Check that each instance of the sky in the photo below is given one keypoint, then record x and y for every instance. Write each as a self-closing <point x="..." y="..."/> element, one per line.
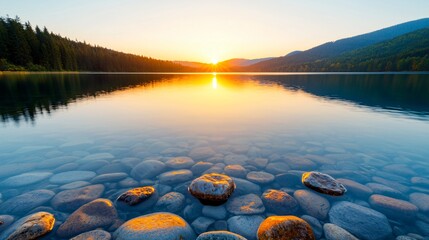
<point x="202" y="30"/>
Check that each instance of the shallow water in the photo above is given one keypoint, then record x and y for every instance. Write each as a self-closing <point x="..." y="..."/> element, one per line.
<point x="367" y="128"/>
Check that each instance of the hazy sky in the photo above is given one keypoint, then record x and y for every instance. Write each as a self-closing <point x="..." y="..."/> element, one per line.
<point x="201" y="30"/>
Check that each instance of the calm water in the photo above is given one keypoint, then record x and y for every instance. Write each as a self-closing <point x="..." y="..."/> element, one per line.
<point x="366" y="128"/>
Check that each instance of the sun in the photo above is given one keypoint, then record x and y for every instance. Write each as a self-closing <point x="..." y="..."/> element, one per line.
<point x="214" y="61"/>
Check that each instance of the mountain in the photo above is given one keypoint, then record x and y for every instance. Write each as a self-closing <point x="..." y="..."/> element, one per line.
<point x="241" y="62"/>
<point x="22" y="48"/>
<point x="408" y="52"/>
<point x="336" y="48"/>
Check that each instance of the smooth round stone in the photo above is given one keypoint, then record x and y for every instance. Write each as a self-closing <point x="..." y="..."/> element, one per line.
<point x="277" y="168"/>
<point x="74" y="185"/>
<point x="393" y="208"/>
<point x="170" y="202"/>
<point x="421" y="200"/>
<point x="420" y="181"/>
<point x="289" y="179"/>
<point x="236" y="159"/>
<point x="355" y="188"/>
<point x="216" y="212"/>
<point x="212" y="189"/>
<point x="201" y="153"/>
<point x="98" y="156"/>
<point x="192" y="211"/>
<point x="70" y="200"/>
<point x="6" y="221"/>
<point x="201" y="224"/>
<point x="333" y="232"/>
<point x="314" y="224"/>
<point x="220" y="235"/>
<point x="30" y="227"/>
<point x="201" y="167"/>
<point x="279" y="202"/>
<point x="180" y="162"/>
<point x="95" y="214"/>
<point x="26" y="202"/>
<point x="235" y="171"/>
<point x="312" y="204"/>
<point x="385" y="190"/>
<point x="245" y="205"/>
<point x="392" y="184"/>
<point x="246" y="226"/>
<point x="284" y="228"/>
<point x="128" y="182"/>
<point x="323" y="183"/>
<point x="147" y="169"/>
<point x="71" y="176"/>
<point x="260" y="177"/>
<point x="160" y="226"/>
<point x="174" y="177"/>
<point x="137" y="196"/>
<point x="25" y="179"/>
<point x="362" y="222"/>
<point x="93" y="165"/>
<point x="93" y="235"/>
<point x="245" y="187"/>
<point x="300" y="163"/>
<point x="109" y="177"/>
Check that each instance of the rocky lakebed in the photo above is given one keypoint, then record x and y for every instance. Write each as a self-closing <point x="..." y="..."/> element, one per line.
<point x="211" y="189"/>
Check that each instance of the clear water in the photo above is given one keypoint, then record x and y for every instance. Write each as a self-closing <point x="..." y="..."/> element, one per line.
<point x="368" y="127"/>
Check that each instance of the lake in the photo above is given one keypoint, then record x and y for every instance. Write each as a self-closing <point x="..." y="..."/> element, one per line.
<point x="62" y="132"/>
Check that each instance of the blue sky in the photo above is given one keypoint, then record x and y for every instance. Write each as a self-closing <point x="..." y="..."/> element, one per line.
<point x="201" y="30"/>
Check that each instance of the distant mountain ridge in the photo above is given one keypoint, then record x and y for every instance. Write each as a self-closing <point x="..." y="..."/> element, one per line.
<point x="336" y="48"/>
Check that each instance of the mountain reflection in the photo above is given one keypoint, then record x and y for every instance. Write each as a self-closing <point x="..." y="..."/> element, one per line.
<point x="23" y="96"/>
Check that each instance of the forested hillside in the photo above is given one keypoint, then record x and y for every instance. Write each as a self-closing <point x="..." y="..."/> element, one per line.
<point x="25" y="48"/>
<point x="409" y="52"/>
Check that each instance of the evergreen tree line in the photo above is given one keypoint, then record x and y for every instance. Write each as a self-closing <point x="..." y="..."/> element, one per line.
<point x="24" y="48"/>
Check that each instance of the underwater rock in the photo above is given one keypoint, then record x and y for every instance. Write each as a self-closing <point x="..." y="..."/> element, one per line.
<point x="160" y="226"/>
<point x="393" y="208"/>
<point x="362" y="222"/>
<point x="323" y="183"/>
<point x="30" y="227"/>
<point x="355" y="188"/>
<point x="260" y="177"/>
<point x="201" y="224"/>
<point x="26" y="202"/>
<point x="421" y="200"/>
<point x="25" y="179"/>
<point x="246" y="226"/>
<point x="333" y="232"/>
<point x="245" y="205"/>
<point x="70" y="200"/>
<point x="176" y="176"/>
<point x="147" y="169"/>
<point x="180" y="163"/>
<point x="71" y="176"/>
<point x="170" y="202"/>
<point x="220" y="235"/>
<point x="109" y="177"/>
<point x="284" y="228"/>
<point x="235" y="171"/>
<point x="201" y="153"/>
<point x="93" y="235"/>
<point x="136" y="196"/>
<point x="216" y="212"/>
<point x="95" y="214"/>
<point x="312" y="204"/>
<point x="279" y="202"/>
<point x="212" y="189"/>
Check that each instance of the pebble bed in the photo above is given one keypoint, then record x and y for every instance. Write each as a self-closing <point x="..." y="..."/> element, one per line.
<point x="71" y="190"/>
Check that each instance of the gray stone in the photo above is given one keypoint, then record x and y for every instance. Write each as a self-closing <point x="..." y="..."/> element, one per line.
<point x="147" y="169"/>
<point x="26" y="202"/>
<point x="220" y="235"/>
<point x="180" y="163"/>
<point x="201" y="167"/>
<point x="333" y="232"/>
<point x="25" y="179"/>
<point x="393" y="208"/>
<point x="355" y="188"/>
<point x="245" y="205"/>
<point x="245" y="187"/>
<point x="312" y="204"/>
<point x="233" y="159"/>
<point x="70" y="200"/>
<point x="246" y="226"/>
<point x="93" y="235"/>
<point x="212" y="189"/>
<point x="109" y="177"/>
<point x="6" y="221"/>
<point x="201" y="224"/>
<point x="235" y="171"/>
<point x="277" y="168"/>
<point x="260" y="177"/>
<point x="174" y="177"/>
<point x="279" y="202"/>
<point x="421" y="200"/>
<point x="216" y="212"/>
<point x="71" y="176"/>
<point x="74" y="185"/>
<point x="95" y="214"/>
<point x="170" y="202"/>
<point x="30" y="227"/>
<point x="137" y="199"/>
<point x="160" y="226"/>
<point x="323" y="183"/>
<point x="201" y="153"/>
<point x="385" y="190"/>
<point x="97" y="156"/>
<point x="315" y="225"/>
<point x="362" y="222"/>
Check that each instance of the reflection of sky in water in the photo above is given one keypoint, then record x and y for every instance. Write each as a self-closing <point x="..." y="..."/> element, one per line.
<point x="341" y="125"/>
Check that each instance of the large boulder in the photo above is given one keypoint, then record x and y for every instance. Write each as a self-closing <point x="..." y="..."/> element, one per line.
<point x="212" y="188"/>
<point x="284" y="228"/>
<point x="160" y="226"/>
<point x="362" y="222"/>
<point x="95" y="214"/>
<point x="30" y="227"/>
